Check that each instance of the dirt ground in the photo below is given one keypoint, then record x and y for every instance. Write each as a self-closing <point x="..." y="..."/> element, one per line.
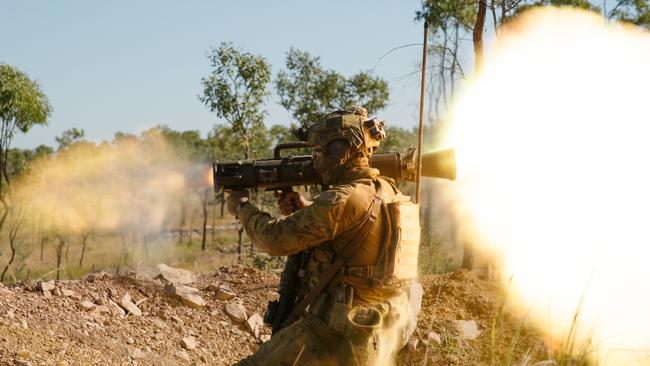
<point x="80" y="323"/>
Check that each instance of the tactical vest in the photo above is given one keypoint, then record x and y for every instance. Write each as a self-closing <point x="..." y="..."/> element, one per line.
<point x="398" y="259"/>
<point x="396" y="264"/>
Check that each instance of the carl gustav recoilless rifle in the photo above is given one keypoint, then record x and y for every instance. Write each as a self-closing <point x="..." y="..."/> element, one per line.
<point x="280" y="172"/>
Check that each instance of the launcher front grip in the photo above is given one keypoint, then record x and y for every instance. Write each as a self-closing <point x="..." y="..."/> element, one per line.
<point x="277" y="173"/>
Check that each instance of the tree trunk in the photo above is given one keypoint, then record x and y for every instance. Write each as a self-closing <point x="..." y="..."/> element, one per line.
<point x="59" y="256"/>
<point x="443" y="64"/>
<point x="42" y="239"/>
<point x="122" y="256"/>
<point x="67" y="253"/>
<point x="12" y="246"/>
<point x="204" y="202"/>
<point x="84" y="241"/>
<point x="214" y="224"/>
<point x="477" y="35"/>
<point x="468" y="255"/>
<point x="182" y="224"/>
<point x="240" y="242"/>
<point x="191" y="229"/>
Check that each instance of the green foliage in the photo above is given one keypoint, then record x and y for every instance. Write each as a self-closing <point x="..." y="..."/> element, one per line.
<point x="123" y="137"/>
<point x="236" y="90"/>
<point x="633" y="11"/>
<point x="309" y="92"/>
<point x="187" y="144"/>
<point x="18" y="160"/>
<point x="69" y="137"/>
<point x="22" y="103"/>
<point x="224" y="145"/>
<point x="282" y="134"/>
<point x="398" y="139"/>
<point x="265" y="262"/>
<point x="442" y="14"/>
<point x="581" y="4"/>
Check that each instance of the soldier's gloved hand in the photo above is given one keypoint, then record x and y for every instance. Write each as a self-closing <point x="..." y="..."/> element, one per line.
<point x="235" y="199"/>
<point x="290" y="202"/>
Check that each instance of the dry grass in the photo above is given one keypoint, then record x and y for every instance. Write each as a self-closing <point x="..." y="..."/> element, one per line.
<point x="109" y="251"/>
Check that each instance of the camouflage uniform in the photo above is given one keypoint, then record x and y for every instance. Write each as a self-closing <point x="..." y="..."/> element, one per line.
<point x="355" y="321"/>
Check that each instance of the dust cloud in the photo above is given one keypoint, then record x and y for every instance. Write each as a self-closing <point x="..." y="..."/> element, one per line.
<point x="552" y="143"/>
<point x="131" y="184"/>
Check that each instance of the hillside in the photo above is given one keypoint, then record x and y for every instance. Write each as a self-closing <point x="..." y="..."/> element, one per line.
<point x="84" y="322"/>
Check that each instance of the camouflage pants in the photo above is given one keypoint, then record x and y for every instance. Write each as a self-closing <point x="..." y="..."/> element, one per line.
<point x="357" y="336"/>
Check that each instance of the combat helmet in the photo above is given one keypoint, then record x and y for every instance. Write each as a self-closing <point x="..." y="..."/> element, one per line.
<point x="362" y="135"/>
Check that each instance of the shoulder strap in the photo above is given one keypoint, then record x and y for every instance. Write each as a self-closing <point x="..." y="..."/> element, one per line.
<point x="367" y="224"/>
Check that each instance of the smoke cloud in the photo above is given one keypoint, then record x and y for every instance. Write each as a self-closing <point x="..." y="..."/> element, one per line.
<point x="552" y="142"/>
<point x="129" y="184"/>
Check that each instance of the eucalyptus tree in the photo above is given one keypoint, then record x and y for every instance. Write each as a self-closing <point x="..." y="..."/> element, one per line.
<point x="236" y="90"/>
<point x="309" y="91"/>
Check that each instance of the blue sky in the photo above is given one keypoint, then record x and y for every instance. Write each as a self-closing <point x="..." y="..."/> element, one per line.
<point x="111" y="66"/>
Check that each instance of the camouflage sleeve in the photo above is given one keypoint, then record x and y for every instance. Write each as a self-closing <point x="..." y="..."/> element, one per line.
<point x="328" y="216"/>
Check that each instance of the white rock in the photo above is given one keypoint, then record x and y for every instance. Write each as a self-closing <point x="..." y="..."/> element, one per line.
<point x="265" y="338"/>
<point x="129" y="306"/>
<point x="183" y="356"/>
<point x="434" y="337"/>
<point x="176" y="275"/>
<point x="130" y="340"/>
<point x="255" y="324"/>
<point x="190" y="296"/>
<point x="138" y="354"/>
<point x="236" y="311"/>
<point x="188" y="343"/>
<point x="412" y="344"/>
<point x="45" y="286"/>
<point x="467" y="329"/>
<point x="224" y="293"/>
<point x="86" y="305"/>
<point x="116" y="309"/>
<point x="67" y="293"/>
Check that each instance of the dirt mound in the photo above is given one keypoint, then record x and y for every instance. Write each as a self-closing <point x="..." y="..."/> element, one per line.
<point x="84" y="322"/>
<point x="464" y="321"/>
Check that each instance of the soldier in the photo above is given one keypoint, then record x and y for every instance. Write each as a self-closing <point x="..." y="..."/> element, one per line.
<point x="358" y="298"/>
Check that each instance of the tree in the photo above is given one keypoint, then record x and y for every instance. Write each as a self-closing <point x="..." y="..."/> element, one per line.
<point x="449" y="22"/>
<point x="309" y="92"/>
<point x="236" y="91"/>
<point x="22" y="105"/>
<point x="223" y="144"/>
<point x="188" y="145"/>
<point x="69" y="137"/>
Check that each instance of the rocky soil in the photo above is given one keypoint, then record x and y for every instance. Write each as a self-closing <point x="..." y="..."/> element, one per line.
<point x="173" y="317"/>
